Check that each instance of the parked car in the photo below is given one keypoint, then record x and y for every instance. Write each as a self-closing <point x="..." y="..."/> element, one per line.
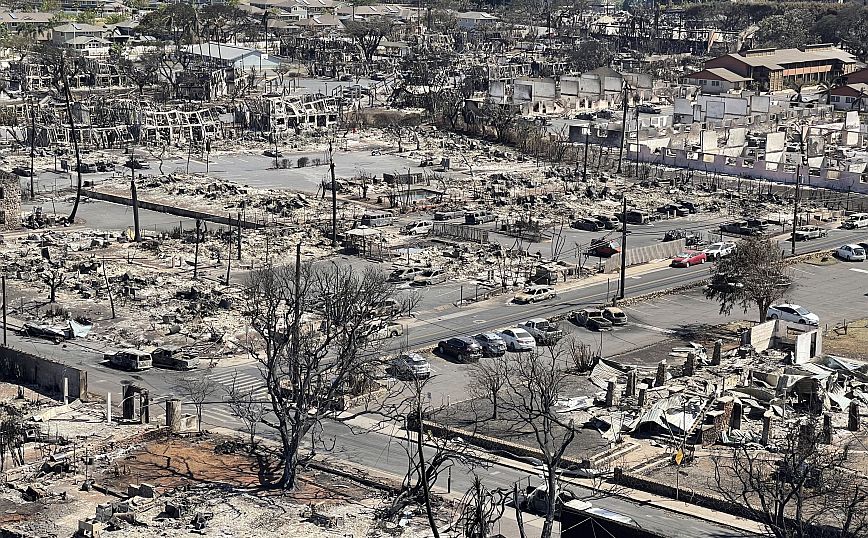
<point x="137" y="164"/>
<point x="173" y="358"/>
<point x="462" y="348"/>
<point x="409" y="365"/>
<point x="740" y="227"/>
<point x="715" y="251"/>
<point x="543" y="331"/>
<point x="688" y="258"/>
<point x="615" y="315"/>
<point x="648" y="108"/>
<point x="592" y="319"/>
<point x="604" y="248"/>
<point x="793" y="313"/>
<point x="517" y="339"/>
<point x="386" y="308"/>
<point x="690" y="238"/>
<point x="851" y="253"/>
<point x="805" y="233"/>
<point x="491" y="343"/>
<point x="534" y="294"/>
<point x="856" y="220"/>
<point x="479" y="217"/>
<point x="689" y="205"/>
<point x="272" y="153"/>
<point x="609" y="222"/>
<point x="587" y="224"/>
<point x="429" y="277"/>
<point x="421" y="227"/>
<point x="382" y="329"/>
<point x="408" y="273"/>
<point x="448" y="215"/>
<point x="375" y="220"/>
<point x="675" y="209"/>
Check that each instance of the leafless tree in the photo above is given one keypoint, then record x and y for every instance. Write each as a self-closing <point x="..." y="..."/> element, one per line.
<point x="755" y="274"/>
<point x="535" y="383"/>
<point x="429" y="457"/>
<point x="805" y="489"/>
<point x="197" y="388"/>
<point x="246" y="406"/>
<point x="54" y="276"/>
<point x="311" y="368"/>
<point x="481" y="508"/>
<point x="487" y="381"/>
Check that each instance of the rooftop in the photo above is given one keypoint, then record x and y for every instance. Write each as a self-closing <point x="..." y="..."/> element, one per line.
<point x="777" y="58"/>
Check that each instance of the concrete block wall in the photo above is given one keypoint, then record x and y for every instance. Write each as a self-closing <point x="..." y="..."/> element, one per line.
<point x="22" y="367"/>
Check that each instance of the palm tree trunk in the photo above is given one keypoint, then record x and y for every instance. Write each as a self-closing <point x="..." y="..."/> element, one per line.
<point x="68" y="96"/>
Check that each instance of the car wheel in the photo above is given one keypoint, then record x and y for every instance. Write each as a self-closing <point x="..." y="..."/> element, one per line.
<point x="802" y="322"/>
<point x="511" y="347"/>
<point x="394" y="334"/>
<point x="440" y="350"/>
<point x="773" y="316"/>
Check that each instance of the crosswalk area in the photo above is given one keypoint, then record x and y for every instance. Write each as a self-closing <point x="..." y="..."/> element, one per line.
<point x="220" y="414"/>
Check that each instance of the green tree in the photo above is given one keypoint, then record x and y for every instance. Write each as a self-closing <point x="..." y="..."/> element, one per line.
<point x="754" y="275"/>
<point x="86" y="17"/>
<point x="791" y="29"/>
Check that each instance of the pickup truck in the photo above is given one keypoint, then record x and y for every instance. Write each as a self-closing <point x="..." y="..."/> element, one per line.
<point x="741" y="227"/>
<point x="543" y="331"/>
<point x="173" y="358"/>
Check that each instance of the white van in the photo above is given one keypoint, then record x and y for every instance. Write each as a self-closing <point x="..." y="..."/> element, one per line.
<point x="856" y="220"/>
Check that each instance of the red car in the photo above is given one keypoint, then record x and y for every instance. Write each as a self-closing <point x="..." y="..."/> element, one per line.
<point x="688" y="258"/>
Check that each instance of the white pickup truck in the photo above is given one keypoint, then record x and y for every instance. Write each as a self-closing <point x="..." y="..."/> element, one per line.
<point x="543" y="331"/>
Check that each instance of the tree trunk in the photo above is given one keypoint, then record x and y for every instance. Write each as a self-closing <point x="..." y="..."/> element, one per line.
<point x="68" y="95"/>
<point x="423" y="474"/>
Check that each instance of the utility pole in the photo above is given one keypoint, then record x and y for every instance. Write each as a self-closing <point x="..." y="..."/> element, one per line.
<point x="137" y="231"/>
<point x="296" y="300"/>
<point x="796" y="194"/>
<point x="238" y="222"/>
<point x="196" y="252"/>
<point x="623" y="247"/>
<point x="32" y="149"/>
<point x="229" y="251"/>
<point x="585" y="162"/>
<point x="4" y="310"/>
<point x="623" y="127"/>
<point x="334" y="198"/>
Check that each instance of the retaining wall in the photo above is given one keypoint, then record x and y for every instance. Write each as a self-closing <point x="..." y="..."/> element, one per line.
<point x="172" y="210"/>
<point x="21" y="367"/>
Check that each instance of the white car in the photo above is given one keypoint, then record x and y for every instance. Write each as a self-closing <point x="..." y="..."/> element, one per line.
<point x="793" y="313"/>
<point x="851" y="253"/>
<point x="716" y="251"/>
<point x="533" y="294"/>
<point x="421" y="227"/>
<point x="410" y="365"/>
<point x="517" y="339"/>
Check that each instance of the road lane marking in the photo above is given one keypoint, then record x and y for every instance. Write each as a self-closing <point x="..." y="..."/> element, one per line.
<point x="859" y="270"/>
<point x="653" y="328"/>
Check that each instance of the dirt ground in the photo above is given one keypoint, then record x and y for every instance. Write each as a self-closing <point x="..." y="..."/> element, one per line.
<point x="851" y="342"/>
<point x="214" y="481"/>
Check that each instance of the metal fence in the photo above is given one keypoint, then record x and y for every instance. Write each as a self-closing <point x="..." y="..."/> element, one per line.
<point x="458" y="231"/>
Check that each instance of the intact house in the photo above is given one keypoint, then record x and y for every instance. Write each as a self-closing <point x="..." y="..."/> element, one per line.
<point x="850" y="97"/>
<point x="225" y="55"/>
<point x="20" y="21"/>
<point x="63" y="34"/>
<point x="775" y="69"/>
<point x="715" y="80"/>
<point x="470" y="20"/>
